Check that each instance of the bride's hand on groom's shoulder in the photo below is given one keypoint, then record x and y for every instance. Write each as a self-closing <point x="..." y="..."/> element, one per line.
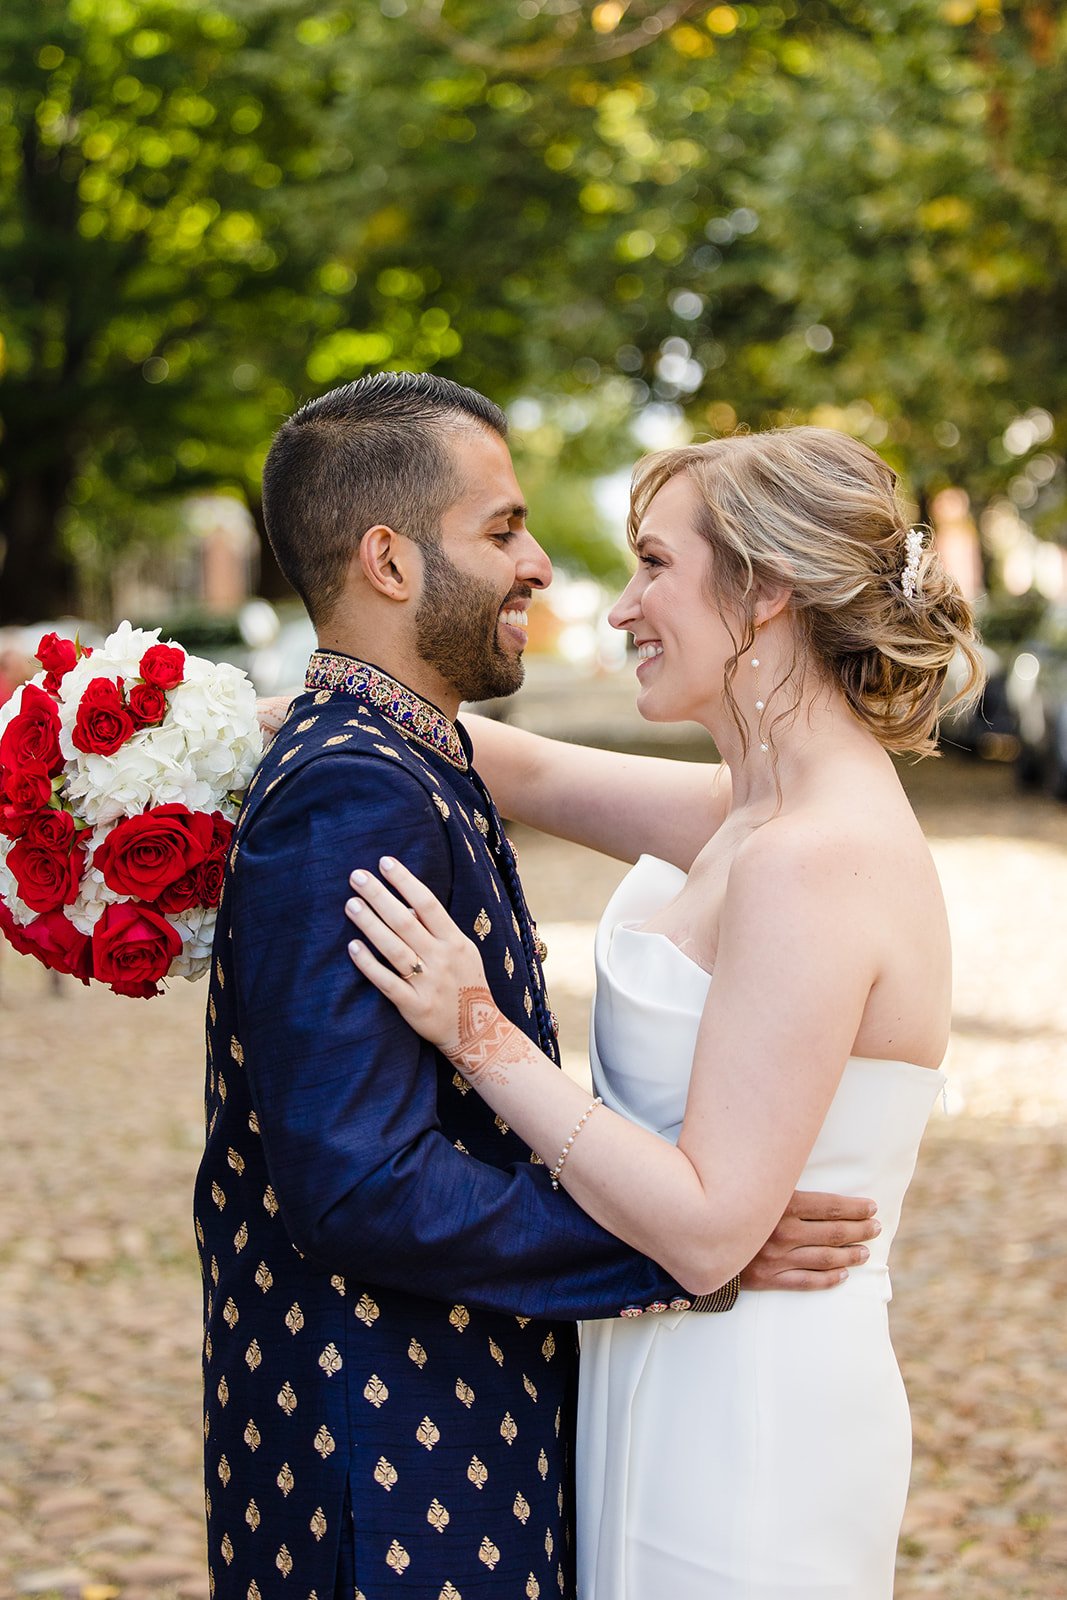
<point x="271" y="713"/>
<point x="414" y="953"/>
<point x="819" y="1237"/>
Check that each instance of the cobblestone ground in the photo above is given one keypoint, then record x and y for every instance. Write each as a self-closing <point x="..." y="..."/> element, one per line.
<point x="99" y="1289"/>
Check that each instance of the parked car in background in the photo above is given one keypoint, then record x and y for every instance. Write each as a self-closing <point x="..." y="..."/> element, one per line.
<point x="1036" y="692"/>
<point x="987" y="727"/>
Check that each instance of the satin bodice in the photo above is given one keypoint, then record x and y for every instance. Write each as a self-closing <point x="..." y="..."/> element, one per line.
<point x="649" y="1002"/>
<point x="762" y="1454"/>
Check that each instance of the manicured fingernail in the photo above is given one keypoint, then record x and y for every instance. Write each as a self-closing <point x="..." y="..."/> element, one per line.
<point x="354" y="948"/>
<point x="354" y="907"/>
<point x="864" y="1252"/>
<point x="842" y="1278"/>
<point x="877" y="1226"/>
<point x="387" y="863"/>
<point x="358" y="879"/>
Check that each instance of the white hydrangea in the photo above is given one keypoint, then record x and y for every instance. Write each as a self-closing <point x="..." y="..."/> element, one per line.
<point x="94" y="896"/>
<point x="216" y="708"/>
<point x="197" y="928"/>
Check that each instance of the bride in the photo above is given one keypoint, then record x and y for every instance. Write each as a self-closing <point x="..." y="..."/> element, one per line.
<point x="772" y="1007"/>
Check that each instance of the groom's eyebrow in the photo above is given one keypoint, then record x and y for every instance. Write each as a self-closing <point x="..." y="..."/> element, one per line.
<point x="509" y="513"/>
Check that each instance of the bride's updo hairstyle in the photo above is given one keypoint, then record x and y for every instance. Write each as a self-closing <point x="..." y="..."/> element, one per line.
<point x="816" y="512"/>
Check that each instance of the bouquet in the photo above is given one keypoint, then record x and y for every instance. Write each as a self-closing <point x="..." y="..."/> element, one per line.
<point x="121" y="772"/>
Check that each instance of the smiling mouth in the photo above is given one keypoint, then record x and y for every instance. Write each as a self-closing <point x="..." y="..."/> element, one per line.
<point x="517" y="620"/>
<point x="649" y="650"/>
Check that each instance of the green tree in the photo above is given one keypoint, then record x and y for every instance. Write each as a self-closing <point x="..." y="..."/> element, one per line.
<point x="147" y="155"/>
<point x="764" y="213"/>
<point x="847" y="211"/>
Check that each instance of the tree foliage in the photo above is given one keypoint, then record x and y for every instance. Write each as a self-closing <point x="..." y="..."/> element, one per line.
<point x="852" y="212"/>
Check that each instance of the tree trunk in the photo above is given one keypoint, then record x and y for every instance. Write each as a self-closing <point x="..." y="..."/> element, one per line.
<point x="37" y="580"/>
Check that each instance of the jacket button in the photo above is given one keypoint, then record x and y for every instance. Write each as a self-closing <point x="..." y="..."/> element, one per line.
<point x="681" y="1305"/>
<point x="632" y="1311"/>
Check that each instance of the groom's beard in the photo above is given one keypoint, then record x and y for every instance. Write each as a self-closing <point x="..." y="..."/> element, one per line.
<point x="456" y="630"/>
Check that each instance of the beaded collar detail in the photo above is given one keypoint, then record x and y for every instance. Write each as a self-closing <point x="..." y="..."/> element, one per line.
<point x="411" y="715"/>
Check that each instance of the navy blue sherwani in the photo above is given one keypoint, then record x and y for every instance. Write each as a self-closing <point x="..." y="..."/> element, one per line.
<point x="390" y="1282"/>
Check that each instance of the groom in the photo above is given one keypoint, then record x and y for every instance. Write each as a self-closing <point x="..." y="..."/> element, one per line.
<point x="391" y="1283"/>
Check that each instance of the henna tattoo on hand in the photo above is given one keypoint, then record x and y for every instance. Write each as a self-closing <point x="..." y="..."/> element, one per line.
<point x="485" y="1037"/>
<point x="270" y="714"/>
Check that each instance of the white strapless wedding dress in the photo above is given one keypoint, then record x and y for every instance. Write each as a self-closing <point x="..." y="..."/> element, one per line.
<point x="764" y="1453"/>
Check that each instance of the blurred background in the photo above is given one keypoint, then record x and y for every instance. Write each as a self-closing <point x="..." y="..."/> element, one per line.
<point x="631" y="223"/>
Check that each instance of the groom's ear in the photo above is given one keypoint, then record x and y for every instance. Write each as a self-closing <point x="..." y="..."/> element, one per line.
<point x="389" y="562"/>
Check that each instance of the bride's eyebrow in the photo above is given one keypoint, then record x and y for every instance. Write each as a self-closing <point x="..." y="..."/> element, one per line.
<point x="644" y="540"/>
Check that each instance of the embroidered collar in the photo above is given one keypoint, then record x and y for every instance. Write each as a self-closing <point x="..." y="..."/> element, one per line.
<point x="411" y="715"/>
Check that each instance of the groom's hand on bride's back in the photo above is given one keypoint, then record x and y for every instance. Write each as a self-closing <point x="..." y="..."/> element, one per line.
<point x="817" y="1240"/>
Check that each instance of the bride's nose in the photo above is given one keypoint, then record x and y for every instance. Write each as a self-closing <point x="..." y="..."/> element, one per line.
<point x="628" y="606"/>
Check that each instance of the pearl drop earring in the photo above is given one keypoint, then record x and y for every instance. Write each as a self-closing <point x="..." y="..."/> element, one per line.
<point x="759" y="706"/>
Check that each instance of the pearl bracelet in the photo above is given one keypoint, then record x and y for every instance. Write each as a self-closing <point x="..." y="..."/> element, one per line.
<point x="565" y="1152"/>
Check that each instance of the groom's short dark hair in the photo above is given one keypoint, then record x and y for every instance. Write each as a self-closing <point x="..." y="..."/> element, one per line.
<point x="373" y="451"/>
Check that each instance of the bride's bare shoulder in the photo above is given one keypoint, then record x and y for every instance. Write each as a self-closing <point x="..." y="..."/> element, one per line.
<point x="813" y="848"/>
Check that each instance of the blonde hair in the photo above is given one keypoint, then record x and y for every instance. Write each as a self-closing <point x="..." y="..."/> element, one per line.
<point x="816" y="512"/>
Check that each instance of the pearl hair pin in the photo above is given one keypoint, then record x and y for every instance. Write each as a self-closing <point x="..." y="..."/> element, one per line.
<point x="909" y="577"/>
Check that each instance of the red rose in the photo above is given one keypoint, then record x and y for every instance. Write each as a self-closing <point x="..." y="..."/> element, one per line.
<point x="181" y="894"/>
<point x="56" y="656"/>
<point x="209" y="881"/>
<point x="14" y="931"/>
<point x="210" y="876"/>
<point x="48" y="862"/>
<point x="221" y="836"/>
<point x="32" y="735"/>
<point x="133" y="947"/>
<point x="54" y="830"/>
<point x="148" y="705"/>
<point x="22" y="795"/>
<point x="163" y="665"/>
<point x="143" y="855"/>
<point x="53" y="940"/>
<point x="202" y="887"/>
<point x="103" y="723"/>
